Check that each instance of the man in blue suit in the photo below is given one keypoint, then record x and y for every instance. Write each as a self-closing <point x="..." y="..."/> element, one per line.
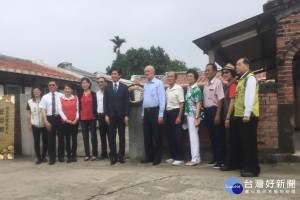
<point x="116" y="111"/>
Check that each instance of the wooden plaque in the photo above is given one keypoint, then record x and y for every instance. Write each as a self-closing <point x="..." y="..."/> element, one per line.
<point x="7" y="126"/>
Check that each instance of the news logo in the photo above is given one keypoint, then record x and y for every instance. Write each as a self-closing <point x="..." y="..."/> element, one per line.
<point x="233" y="186"/>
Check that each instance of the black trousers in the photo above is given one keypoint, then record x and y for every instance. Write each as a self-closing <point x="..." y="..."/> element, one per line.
<point x="217" y="135"/>
<point x="248" y="135"/>
<point x="235" y="150"/>
<point x="103" y="129"/>
<point x="37" y="138"/>
<point x="55" y="130"/>
<point x="70" y="131"/>
<point x="116" y="122"/>
<point x="174" y="133"/>
<point x="86" y="125"/>
<point x="152" y="129"/>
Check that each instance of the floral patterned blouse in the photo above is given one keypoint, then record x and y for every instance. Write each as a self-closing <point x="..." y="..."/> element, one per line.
<point x="192" y="96"/>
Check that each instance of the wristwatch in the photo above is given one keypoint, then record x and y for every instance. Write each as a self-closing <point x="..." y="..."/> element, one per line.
<point x="197" y="117"/>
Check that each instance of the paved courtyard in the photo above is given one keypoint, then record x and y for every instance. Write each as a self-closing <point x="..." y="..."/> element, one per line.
<point x="22" y="179"/>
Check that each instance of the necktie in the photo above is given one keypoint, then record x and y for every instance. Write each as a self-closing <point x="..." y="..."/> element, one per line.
<point x="115" y="89"/>
<point x="53" y="103"/>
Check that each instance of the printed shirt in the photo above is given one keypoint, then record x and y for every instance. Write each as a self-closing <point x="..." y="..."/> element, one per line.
<point x="192" y="96"/>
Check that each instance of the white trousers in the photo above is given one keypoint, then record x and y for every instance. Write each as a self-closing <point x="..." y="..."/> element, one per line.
<point x="194" y="139"/>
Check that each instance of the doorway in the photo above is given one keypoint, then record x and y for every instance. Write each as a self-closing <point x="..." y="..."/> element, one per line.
<point x="296" y="78"/>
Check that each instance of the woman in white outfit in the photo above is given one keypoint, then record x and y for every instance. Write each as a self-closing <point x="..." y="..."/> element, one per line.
<point x="193" y="100"/>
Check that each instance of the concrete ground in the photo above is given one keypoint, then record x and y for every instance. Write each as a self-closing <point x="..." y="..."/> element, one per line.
<point x="22" y="179"/>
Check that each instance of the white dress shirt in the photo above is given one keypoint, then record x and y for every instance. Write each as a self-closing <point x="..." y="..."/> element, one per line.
<point x="46" y="102"/>
<point x="249" y="95"/>
<point x="99" y="102"/>
<point x="117" y="84"/>
<point x="174" y="96"/>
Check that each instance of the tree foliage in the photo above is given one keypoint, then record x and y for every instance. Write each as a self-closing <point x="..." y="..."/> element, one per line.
<point x="118" y="43"/>
<point x="135" y="60"/>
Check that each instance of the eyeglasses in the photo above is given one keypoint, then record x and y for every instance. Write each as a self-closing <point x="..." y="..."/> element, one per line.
<point x="100" y="81"/>
<point x="225" y="72"/>
<point x="51" y="85"/>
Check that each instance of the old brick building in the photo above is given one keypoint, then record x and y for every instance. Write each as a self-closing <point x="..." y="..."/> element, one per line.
<point x="271" y="41"/>
<point x="17" y="76"/>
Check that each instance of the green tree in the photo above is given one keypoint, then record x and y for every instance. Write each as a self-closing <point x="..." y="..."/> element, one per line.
<point x="135" y="60"/>
<point x="118" y="43"/>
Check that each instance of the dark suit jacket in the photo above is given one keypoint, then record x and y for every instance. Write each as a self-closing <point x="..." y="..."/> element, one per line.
<point x="94" y="97"/>
<point x="118" y="103"/>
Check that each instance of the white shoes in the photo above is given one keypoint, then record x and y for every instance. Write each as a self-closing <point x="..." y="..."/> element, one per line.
<point x="177" y="162"/>
<point x="192" y="163"/>
<point x="170" y="160"/>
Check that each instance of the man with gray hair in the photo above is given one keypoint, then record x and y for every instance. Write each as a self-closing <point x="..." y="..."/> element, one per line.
<point x="152" y="116"/>
<point x="174" y="112"/>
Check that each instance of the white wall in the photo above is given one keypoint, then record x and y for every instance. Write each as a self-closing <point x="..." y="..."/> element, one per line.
<point x="1" y="90"/>
<point x="28" y="90"/>
<point x="27" y="138"/>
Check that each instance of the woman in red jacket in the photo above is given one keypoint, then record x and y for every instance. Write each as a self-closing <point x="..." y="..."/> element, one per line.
<point x="88" y="112"/>
<point x="68" y="110"/>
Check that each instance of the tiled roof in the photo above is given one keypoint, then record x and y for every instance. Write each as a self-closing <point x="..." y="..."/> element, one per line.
<point x="108" y="77"/>
<point x="27" y="67"/>
<point x="140" y="79"/>
<point x="181" y="78"/>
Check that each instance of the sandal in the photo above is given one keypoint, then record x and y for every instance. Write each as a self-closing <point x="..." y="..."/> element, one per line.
<point x="86" y="158"/>
<point x="94" y="158"/>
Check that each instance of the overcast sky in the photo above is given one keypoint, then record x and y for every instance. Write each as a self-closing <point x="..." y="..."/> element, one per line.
<point x="78" y="31"/>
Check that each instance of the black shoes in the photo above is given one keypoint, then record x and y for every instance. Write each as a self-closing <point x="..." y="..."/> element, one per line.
<point x="226" y="168"/>
<point x="211" y="163"/>
<point x="44" y="159"/>
<point x="69" y="160"/>
<point x="156" y="162"/>
<point x="61" y="159"/>
<point x="245" y="173"/>
<point x="39" y="161"/>
<point x="51" y="162"/>
<point x="218" y="165"/>
<point x="147" y="160"/>
<point x="113" y="161"/>
<point x="74" y="159"/>
<point x="102" y="156"/>
<point x="121" y="159"/>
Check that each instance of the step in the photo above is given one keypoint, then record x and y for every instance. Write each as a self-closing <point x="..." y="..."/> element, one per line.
<point x="287" y="157"/>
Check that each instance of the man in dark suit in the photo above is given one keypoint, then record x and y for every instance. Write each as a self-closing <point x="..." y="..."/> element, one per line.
<point x="116" y="111"/>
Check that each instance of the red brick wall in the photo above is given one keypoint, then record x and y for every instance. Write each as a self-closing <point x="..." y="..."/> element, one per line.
<point x="267" y="133"/>
<point x="288" y="43"/>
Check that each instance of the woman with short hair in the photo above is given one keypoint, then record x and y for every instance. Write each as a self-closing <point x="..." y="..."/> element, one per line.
<point x="36" y="123"/>
<point x="192" y="108"/>
<point x="68" y="110"/>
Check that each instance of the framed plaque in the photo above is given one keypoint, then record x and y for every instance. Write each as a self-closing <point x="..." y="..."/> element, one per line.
<point x="7" y="126"/>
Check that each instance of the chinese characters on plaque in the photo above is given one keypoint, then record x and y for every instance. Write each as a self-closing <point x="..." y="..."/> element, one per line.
<point x="7" y="128"/>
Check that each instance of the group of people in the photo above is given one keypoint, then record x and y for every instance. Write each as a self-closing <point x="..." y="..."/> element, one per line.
<point x="232" y="106"/>
<point x="57" y="114"/>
